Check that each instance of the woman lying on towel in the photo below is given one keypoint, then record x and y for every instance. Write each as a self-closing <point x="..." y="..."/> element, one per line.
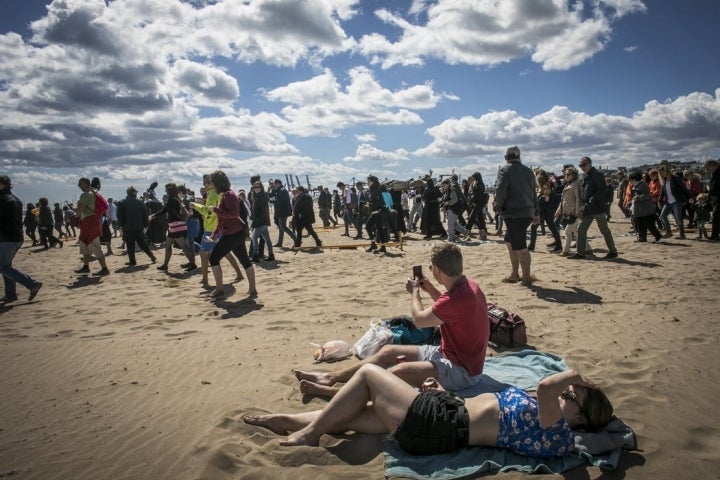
<point x="435" y="421"/>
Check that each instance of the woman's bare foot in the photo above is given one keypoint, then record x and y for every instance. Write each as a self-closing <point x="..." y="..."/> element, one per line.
<point x="218" y="292"/>
<point x="276" y="423"/>
<point x="252" y="293"/>
<point x="311" y="388"/>
<point x="318" y="378"/>
<point x="239" y="277"/>
<point x="300" y="438"/>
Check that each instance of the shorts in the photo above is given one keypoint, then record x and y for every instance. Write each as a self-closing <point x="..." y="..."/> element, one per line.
<point x="516" y="232"/>
<point x="436" y="422"/>
<point x="455" y="377"/>
<point x="206" y="245"/>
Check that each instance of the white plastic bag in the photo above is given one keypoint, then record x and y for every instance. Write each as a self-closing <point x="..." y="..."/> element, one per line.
<point x="377" y="336"/>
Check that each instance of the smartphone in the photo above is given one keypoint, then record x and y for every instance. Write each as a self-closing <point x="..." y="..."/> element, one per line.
<point x="417" y="272"/>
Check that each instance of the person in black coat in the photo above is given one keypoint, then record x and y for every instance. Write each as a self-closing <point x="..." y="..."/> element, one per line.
<point x="592" y="208"/>
<point x="11" y="239"/>
<point x="132" y="217"/>
<point x="304" y="216"/>
<point x="714" y="192"/>
<point x="430" y="223"/>
<point x="47" y="223"/>
<point x="280" y="198"/>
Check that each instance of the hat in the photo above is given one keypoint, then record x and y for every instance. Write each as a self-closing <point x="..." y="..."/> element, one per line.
<point x="512" y="153"/>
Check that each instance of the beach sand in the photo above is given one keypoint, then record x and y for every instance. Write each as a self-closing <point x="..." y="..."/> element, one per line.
<point x="137" y="375"/>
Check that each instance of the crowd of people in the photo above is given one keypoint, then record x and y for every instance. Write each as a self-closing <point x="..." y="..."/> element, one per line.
<point x="525" y="203"/>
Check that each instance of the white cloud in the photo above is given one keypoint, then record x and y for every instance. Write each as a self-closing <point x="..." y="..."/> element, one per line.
<point x="683" y="128"/>
<point x="320" y="106"/>
<point x="366" y="137"/>
<point x="557" y="34"/>
<point x="366" y="152"/>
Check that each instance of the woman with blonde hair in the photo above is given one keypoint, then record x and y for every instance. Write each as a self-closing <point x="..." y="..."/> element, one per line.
<point x="673" y="196"/>
<point x="568" y="211"/>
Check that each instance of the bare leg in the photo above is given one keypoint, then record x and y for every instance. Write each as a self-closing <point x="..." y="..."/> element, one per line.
<point x="284" y="423"/>
<point x="218" y="275"/>
<point x="514" y="264"/>
<point x="250" y="273"/>
<point x="204" y="264"/>
<point x="390" y="396"/>
<point x="524" y="261"/>
<point x="311" y="388"/>
<point x="412" y="371"/>
<point x="234" y="263"/>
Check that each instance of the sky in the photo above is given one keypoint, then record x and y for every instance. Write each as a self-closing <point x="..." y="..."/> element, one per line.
<point x="136" y="91"/>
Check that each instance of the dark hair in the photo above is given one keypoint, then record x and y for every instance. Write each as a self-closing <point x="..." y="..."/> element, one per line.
<point x="597" y="409"/>
<point x="44" y="201"/>
<point x="5" y="180"/>
<point x="95" y="183"/>
<point x="448" y="258"/>
<point x="220" y="181"/>
<point x="635" y="176"/>
<point x="182" y="189"/>
<point x="171" y="189"/>
<point x="254" y="178"/>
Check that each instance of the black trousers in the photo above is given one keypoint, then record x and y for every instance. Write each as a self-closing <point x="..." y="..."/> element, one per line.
<point x="132" y="236"/>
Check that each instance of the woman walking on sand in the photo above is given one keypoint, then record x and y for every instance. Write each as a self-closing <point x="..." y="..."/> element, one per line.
<point x="233" y="230"/>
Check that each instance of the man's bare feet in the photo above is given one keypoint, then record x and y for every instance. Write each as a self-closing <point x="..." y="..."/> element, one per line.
<point x="300" y="438"/>
<point x="276" y="423"/>
<point x="311" y="388"/>
<point x="218" y="292"/>
<point x="319" y="378"/>
<point x="239" y="277"/>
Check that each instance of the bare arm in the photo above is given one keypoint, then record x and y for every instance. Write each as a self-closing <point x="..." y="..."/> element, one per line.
<point x="422" y="317"/>
<point x="548" y="391"/>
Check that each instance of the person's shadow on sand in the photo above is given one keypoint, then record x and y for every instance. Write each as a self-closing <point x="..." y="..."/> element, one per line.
<point x="84" y="281"/>
<point x="238" y="308"/>
<point x="572" y="296"/>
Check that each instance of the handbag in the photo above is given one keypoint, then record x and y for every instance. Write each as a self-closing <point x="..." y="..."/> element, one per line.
<point x="175" y="227"/>
<point x="506" y="329"/>
<point x="569" y="219"/>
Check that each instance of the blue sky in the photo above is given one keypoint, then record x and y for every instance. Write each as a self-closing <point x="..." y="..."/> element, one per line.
<point x="136" y="91"/>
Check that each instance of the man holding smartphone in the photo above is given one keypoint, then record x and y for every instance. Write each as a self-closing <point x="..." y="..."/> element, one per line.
<point x="462" y="315"/>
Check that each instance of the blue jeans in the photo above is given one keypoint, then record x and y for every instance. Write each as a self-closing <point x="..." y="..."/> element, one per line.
<point x="261" y="231"/>
<point x="11" y="275"/>
<point x="676" y="209"/>
<point x="281" y="223"/>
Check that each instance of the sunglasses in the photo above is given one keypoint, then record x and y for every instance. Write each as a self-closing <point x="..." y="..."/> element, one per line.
<point x="572" y="396"/>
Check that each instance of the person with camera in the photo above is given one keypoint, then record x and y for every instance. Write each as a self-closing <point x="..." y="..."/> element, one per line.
<point x="460" y="312"/>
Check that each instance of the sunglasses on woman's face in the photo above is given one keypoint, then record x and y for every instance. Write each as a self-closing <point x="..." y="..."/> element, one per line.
<point x="572" y="396"/>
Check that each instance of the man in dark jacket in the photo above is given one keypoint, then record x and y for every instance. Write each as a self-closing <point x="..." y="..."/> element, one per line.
<point x="592" y="207"/>
<point x="516" y="200"/>
<point x="132" y="217"/>
<point x="11" y="239"/>
<point x="714" y="192"/>
<point x="280" y="198"/>
<point x="304" y="216"/>
<point x="325" y="206"/>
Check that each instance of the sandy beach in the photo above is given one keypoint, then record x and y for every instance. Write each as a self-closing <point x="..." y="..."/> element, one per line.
<point x="137" y="375"/>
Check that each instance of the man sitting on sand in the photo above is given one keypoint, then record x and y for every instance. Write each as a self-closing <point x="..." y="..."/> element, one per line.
<point x="461" y="312"/>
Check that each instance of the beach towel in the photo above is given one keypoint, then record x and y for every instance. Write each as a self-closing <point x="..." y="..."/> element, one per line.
<point x="523" y="369"/>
